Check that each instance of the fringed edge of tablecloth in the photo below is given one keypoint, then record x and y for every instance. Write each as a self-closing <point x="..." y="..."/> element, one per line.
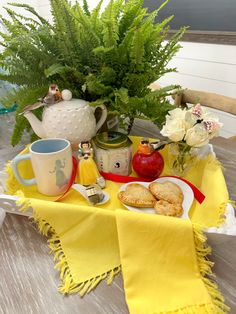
<point x="12" y="185"/>
<point x="68" y="285"/>
<point x="208" y="308"/>
<point x="217" y="306"/>
<point x="205" y="269"/>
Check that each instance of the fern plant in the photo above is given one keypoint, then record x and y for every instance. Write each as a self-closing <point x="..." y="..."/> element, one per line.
<point x="109" y="57"/>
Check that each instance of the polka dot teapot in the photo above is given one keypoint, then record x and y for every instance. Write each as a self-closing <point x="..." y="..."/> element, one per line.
<point x="71" y="119"/>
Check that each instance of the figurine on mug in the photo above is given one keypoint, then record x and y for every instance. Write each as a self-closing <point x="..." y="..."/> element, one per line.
<point x="88" y="171"/>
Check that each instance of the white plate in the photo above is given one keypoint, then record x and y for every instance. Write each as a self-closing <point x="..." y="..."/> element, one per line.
<point x="187" y="192"/>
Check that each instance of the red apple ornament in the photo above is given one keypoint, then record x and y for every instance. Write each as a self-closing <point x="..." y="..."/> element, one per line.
<point x="147" y="162"/>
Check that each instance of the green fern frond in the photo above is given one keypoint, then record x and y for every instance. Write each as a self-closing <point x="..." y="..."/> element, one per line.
<point x="109" y="57"/>
<point x="95" y="87"/>
<point x="86" y="24"/>
<point x="24" y="18"/>
<point x="15" y="20"/>
<point x="110" y="30"/>
<point x="163" y="92"/>
<point x="95" y="15"/>
<point x="162" y="6"/>
<point x="5" y="36"/>
<point x="123" y="95"/>
<point x="85" y="7"/>
<point x="107" y="76"/>
<point x="31" y="10"/>
<point x="66" y="29"/>
<point x="137" y="50"/>
<point x="133" y="11"/>
<point x="56" y="68"/>
<point x="9" y="26"/>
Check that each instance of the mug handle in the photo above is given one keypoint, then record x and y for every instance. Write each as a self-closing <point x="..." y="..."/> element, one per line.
<point x="103" y="116"/>
<point x="15" y="162"/>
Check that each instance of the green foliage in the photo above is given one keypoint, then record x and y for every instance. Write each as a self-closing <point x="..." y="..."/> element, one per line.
<point x="109" y="57"/>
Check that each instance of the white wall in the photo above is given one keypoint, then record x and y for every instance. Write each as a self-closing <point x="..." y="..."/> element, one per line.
<point x="207" y="67"/>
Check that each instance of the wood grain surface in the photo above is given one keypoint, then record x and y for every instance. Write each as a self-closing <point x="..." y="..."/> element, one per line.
<point x="29" y="282"/>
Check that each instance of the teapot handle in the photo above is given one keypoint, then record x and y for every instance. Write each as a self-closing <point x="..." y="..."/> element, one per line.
<point x="103" y="116"/>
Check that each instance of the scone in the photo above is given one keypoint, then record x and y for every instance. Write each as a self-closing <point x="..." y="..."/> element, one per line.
<point x="137" y="195"/>
<point x="167" y="191"/>
<point x="168" y="209"/>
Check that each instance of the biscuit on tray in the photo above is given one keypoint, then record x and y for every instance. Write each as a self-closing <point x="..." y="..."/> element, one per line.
<point x="168" y="209"/>
<point x="167" y="191"/>
<point x="137" y="195"/>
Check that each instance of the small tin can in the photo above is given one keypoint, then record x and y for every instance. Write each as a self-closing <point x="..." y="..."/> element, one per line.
<point x="113" y="152"/>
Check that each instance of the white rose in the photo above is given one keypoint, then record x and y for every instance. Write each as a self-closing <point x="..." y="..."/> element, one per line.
<point x="190" y="120"/>
<point x="174" y="129"/>
<point x="197" y="136"/>
<point x="176" y="113"/>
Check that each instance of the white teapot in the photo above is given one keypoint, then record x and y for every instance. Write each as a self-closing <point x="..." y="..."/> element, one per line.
<point x="73" y="120"/>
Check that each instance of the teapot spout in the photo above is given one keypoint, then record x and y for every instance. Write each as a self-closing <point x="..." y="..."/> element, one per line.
<point x="36" y="124"/>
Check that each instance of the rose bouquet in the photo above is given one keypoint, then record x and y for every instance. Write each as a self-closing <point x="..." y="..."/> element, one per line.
<point x="188" y="130"/>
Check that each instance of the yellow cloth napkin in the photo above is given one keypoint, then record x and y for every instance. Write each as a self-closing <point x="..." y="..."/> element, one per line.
<point x="84" y="238"/>
<point x="164" y="266"/>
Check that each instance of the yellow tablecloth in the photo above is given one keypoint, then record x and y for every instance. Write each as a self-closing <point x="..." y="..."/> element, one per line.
<point x="86" y="245"/>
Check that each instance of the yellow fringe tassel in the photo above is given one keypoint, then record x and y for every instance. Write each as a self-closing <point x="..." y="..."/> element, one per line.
<point x="12" y="185"/>
<point x="221" y="211"/>
<point x="205" y="268"/>
<point x="68" y="286"/>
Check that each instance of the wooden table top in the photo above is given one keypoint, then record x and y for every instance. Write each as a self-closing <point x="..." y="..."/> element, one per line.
<point x="29" y="281"/>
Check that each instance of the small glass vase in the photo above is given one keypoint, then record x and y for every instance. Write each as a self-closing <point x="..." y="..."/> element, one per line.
<point x="181" y="158"/>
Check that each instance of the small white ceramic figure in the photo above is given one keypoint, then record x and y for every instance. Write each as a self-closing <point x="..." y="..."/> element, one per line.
<point x="66" y="94"/>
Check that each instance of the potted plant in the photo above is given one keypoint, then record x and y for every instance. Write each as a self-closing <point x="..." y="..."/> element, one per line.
<point x="105" y="58"/>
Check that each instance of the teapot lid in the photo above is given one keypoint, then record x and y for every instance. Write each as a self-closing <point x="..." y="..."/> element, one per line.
<point x="71" y="104"/>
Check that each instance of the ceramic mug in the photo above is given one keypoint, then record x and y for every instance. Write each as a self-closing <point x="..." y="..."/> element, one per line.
<point x="52" y="165"/>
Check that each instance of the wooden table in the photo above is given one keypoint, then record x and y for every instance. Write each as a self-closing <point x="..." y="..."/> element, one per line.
<point x="28" y="282"/>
